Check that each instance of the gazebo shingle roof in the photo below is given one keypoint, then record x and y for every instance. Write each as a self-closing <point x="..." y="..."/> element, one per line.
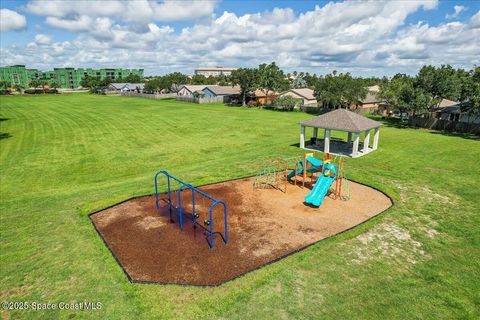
<point x="343" y="120"/>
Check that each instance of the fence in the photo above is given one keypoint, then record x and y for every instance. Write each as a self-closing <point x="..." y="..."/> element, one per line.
<point x="444" y="125"/>
<point x="149" y="95"/>
<point x="202" y="99"/>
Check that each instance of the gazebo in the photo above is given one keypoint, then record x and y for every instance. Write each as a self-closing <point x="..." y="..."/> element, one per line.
<point x="341" y="120"/>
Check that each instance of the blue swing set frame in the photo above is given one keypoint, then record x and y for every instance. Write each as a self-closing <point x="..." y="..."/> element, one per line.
<point x="187" y="186"/>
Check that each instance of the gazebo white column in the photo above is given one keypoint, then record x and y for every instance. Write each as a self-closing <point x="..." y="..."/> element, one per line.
<point x="356" y="141"/>
<point x="349" y="140"/>
<point x="302" y="136"/>
<point x="315" y="132"/>
<point x="375" y="138"/>
<point x="366" y="142"/>
<point x="326" y="141"/>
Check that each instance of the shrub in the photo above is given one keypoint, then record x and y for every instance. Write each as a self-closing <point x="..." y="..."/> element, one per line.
<point x="252" y="103"/>
<point x="34" y="91"/>
<point x="286" y="103"/>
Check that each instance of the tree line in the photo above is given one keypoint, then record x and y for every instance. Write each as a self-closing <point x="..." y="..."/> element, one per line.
<point x="424" y="91"/>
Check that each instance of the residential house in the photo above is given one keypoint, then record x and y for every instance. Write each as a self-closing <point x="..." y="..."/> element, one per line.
<point x="305" y="94"/>
<point x="225" y="92"/>
<point x="261" y="97"/>
<point x="135" y="87"/>
<point x="371" y="103"/>
<point x="456" y="112"/>
<point x="125" y="87"/>
<point x="188" y="90"/>
<point x="446" y="103"/>
<point x="118" y="86"/>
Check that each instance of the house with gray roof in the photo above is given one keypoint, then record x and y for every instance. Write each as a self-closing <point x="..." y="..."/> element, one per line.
<point x="189" y="89"/>
<point x="341" y="120"/>
<point x="220" y="91"/>
<point x="125" y="87"/>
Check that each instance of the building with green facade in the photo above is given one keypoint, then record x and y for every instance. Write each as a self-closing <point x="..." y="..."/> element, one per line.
<point x="65" y="77"/>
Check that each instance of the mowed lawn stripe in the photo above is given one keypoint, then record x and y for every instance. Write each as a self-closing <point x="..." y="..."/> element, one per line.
<point x="72" y="154"/>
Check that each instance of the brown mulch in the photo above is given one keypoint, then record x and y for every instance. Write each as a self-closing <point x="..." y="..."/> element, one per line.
<point x="264" y="225"/>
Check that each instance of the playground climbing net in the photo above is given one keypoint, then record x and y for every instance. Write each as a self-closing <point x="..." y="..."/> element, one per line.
<point x="274" y="174"/>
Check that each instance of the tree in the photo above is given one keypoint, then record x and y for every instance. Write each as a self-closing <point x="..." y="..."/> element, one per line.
<point x="286" y="103"/>
<point x="198" y="79"/>
<point x="176" y="80"/>
<point x="132" y="78"/>
<point x="339" y="90"/>
<point x="54" y="85"/>
<point x="271" y="78"/>
<point x="470" y="92"/>
<point x="5" y="84"/>
<point x="151" y="86"/>
<point x="401" y="94"/>
<point x="247" y="80"/>
<point x="35" y="84"/>
<point x="297" y="81"/>
<point x="439" y="83"/>
<point x="310" y="80"/>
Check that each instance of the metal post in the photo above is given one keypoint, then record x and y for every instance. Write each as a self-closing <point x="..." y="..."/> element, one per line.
<point x="211" y="229"/>
<point x="193" y="207"/>
<point x="180" y="214"/>
<point x="169" y="198"/>
<point x="225" y="222"/>
<point x="156" y="191"/>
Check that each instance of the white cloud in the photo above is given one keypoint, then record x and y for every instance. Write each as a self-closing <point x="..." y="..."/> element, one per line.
<point x="457" y="10"/>
<point x="362" y="37"/>
<point x="11" y="20"/>
<point x="475" y="20"/>
<point x="133" y="11"/>
<point x="81" y="23"/>
<point x="42" y="39"/>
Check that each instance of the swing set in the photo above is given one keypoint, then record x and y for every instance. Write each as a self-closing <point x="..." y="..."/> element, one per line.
<point x="208" y="222"/>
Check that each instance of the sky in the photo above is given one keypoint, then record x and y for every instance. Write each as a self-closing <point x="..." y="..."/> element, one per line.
<point x="365" y="38"/>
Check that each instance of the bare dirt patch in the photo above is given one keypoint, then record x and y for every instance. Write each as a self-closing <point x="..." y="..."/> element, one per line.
<point x="264" y="225"/>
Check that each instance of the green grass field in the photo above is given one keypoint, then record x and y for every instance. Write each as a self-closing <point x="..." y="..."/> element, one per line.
<point x="65" y="156"/>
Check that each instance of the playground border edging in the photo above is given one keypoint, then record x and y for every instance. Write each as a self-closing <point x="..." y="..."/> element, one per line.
<point x="130" y="279"/>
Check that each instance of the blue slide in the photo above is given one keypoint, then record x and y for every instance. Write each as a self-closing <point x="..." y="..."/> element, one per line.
<point x="319" y="191"/>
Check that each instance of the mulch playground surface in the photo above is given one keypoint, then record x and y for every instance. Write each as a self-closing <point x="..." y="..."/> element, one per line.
<point x="264" y="225"/>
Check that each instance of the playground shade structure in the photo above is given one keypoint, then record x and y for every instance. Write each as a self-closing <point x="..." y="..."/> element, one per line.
<point x="264" y="225"/>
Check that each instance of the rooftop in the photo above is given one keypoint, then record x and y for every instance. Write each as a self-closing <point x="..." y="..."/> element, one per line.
<point x="305" y="93"/>
<point x="196" y="87"/>
<point x="446" y="103"/>
<point x="342" y="120"/>
<point x="219" y="90"/>
<point x="215" y="68"/>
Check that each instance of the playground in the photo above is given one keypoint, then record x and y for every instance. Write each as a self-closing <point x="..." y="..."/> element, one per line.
<point x="183" y="237"/>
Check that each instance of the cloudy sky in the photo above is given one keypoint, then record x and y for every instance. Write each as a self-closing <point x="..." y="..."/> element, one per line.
<point x="365" y="38"/>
